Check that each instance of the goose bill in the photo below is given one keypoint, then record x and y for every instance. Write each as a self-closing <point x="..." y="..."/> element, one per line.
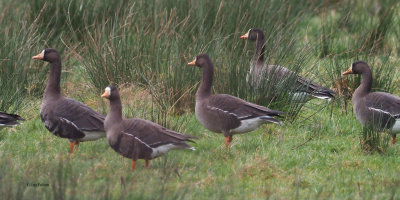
<point x="39" y="56"/>
<point x="193" y="63"/>
<point x="106" y="94"/>
<point x="349" y="71"/>
<point x="245" y="36"/>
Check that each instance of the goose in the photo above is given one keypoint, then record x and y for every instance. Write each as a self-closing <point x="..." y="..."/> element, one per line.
<point x="66" y="117"/>
<point x="379" y="109"/>
<point x="304" y="89"/>
<point x="223" y="113"/>
<point x="9" y="120"/>
<point x="138" y="138"/>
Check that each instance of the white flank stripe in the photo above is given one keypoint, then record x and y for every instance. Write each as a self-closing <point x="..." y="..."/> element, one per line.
<point x="379" y="110"/>
<point x="5" y="125"/>
<point x="160" y="150"/>
<point x="137" y="139"/>
<point x="214" y="108"/>
<point x="244" y="117"/>
<point x="69" y="122"/>
<point x="321" y="97"/>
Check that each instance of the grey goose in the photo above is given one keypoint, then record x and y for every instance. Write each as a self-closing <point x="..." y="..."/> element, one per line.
<point x="9" y="120"/>
<point x="223" y="113"/>
<point x="380" y="109"/>
<point x="65" y="117"/>
<point x="138" y="138"/>
<point x="304" y="89"/>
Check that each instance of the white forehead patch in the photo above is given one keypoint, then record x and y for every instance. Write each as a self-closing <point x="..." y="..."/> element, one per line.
<point x="42" y="54"/>
<point x="108" y="90"/>
<point x="248" y="31"/>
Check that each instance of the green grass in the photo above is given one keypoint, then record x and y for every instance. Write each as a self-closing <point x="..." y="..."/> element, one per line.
<point x="278" y="162"/>
<point x="144" y="46"/>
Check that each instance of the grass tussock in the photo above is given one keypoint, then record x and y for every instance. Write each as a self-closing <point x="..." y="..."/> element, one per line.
<point x="374" y="141"/>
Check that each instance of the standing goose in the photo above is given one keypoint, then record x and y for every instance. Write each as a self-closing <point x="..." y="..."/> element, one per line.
<point x="223" y="113"/>
<point x="65" y="117"/>
<point x="9" y="120"/>
<point x="304" y="89"/>
<point x="137" y="138"/>
<point x="380" y="109"/>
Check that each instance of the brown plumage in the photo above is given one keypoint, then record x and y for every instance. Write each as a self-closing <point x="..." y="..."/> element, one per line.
<point x="303" y="89"/>
<point x="380" y="109"/>
<point x="223" y="113"/>
<point x="65" y="117"/>
<point x="138" y="138"/>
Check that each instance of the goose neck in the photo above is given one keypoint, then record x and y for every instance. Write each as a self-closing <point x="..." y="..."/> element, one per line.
<point x="260" y="50"/>
<point x="206" y="81"/>
<point x="53" y="83"/>
<point x="366" y="83"/>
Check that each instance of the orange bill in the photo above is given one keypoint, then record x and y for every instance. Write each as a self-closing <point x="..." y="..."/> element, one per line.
<point x="193" y="63"/>
<point x="245" y="36"/>
<point x="107" y="92"/>
<point x="349" y="71"/>
<point x="39" y="56"/>
<point x="105" y="95"/>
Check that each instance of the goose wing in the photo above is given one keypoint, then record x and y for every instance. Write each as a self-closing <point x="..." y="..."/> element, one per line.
<point x="69" y="118"/>
<point x="154" y="135"/>
<point x="239" y="109"/>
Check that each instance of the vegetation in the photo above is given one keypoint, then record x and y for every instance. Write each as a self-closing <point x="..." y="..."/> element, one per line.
<point x="321" y="152"/>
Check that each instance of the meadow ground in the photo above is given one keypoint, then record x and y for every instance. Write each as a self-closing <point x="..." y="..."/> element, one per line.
<point x="143" y="47"/>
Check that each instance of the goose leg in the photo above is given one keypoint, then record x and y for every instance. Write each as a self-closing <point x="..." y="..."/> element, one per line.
<point x="72" y="145"/>
<point x="228" y="140"/>
<point x="394" y="139"/>
<point x="133" y="165"/>
<point x="147" y="163"/>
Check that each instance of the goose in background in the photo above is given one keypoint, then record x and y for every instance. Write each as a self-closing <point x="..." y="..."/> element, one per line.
<point x="304" y="89"/>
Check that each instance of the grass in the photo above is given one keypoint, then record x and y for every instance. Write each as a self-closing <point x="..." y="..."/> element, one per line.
<point x="143" y="47"/>
<point x="273" y="162"/>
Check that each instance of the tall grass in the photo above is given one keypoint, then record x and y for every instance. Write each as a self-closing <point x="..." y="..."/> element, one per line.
<point x="19" y="41"/>
<point x="151" y="44"/>
<point x="373" y="140"/>
<point x="70" y="18"/>
<point x="355" y="30"/>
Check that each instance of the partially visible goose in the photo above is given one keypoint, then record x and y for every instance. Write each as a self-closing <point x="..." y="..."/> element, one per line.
<point x="65" y="117"/>
<point x="380" y="109"/>
<point x="138" y="138"/>
<point x="304" y="89"/>
<point x="9" y="120"/>
<point x="223" y="113"/>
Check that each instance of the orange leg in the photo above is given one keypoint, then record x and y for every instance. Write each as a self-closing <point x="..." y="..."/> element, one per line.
<point x="228" y="140"/>
<point x="393" y="139"/>
<point x="133" y="165"/>
<point x="72" y="146"/>
<point x="147" y="163"/>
